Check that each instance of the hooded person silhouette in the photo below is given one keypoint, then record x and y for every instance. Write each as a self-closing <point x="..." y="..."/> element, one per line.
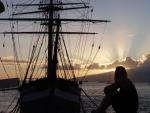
<point x="122" y="94"/>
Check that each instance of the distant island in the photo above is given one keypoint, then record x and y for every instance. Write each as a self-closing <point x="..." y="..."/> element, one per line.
<point x="141" y="74"/>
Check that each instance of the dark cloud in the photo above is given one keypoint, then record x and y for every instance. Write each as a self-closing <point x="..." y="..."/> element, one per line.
<point x="44" y="67"/>
<point x="93" y="66"/>
<point x="12" y="62"/>
<point x="113" y="65"/>
<point x="128" y="62"/>
<point x="77" y="66"/>
<point x="102" y="67"/>
<point x="67" y="67"/>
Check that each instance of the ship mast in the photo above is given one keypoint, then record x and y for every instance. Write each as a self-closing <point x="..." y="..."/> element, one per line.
<point x="53" y="22"/>
<point x="50" y="71"/>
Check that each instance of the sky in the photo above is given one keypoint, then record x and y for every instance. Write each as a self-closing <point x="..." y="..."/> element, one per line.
<point x="125" y="40"/>
<point x="128" y="34"/>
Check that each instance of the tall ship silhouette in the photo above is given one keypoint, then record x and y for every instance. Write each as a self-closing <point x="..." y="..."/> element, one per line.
<point x="57" y="89"/>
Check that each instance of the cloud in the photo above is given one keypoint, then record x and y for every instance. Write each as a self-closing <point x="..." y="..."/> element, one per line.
<point x="11" y="62"/>
<point x="43" y="66"/>
<point x="65" y="67"/>
<point x="128" y="62"/>
<point x="77" y="66"/>
<point x="113" y="65"/>
<point x="146" y="62"/>
<point x="8" y="58"/>
<point x="93" y="66"/>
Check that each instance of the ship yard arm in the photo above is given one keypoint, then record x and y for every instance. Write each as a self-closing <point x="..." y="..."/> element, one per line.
<point x="62" y="20"/>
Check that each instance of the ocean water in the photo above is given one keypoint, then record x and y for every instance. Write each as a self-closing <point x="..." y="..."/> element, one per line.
<point x="94" y="91"/>
<point x="8" y="100"/>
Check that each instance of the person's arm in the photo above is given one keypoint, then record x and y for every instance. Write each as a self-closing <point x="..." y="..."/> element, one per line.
<point x="110" y="88"/>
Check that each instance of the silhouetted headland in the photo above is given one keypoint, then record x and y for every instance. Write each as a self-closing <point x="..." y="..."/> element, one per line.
<point x="136" y="75"/>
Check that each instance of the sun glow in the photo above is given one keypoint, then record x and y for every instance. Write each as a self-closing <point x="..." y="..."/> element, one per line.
<point x="117" y="46"/>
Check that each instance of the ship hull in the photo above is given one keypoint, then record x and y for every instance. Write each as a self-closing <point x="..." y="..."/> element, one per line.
<point x="43" y="97"/>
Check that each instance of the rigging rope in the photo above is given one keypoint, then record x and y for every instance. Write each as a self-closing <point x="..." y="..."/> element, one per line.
<point x="36" y="59"/>
<point x="31" y="59"/>
<point x="89" y="98"/>
<point x="11" y="103"/>
<point x="66" y="65"/>
<point x="26" y="74"/>
<point x="72" y="69"/>
<point x="63" y="61"/>
<point x="16" y="58"/>
<point x="96" y="52"/>
<point x="4" y="67"/>
<point x="25" y="7"/>
<point x="88" y="60"/>
<point x="84" y="43"/>
<point x="19" y="46"/>
<point x="82" y="106"/>
<point x="44" y="56"/>
<point x="91" y="62"/>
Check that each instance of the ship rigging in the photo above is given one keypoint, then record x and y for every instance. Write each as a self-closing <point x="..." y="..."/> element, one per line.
<point x="58" y="90"/>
